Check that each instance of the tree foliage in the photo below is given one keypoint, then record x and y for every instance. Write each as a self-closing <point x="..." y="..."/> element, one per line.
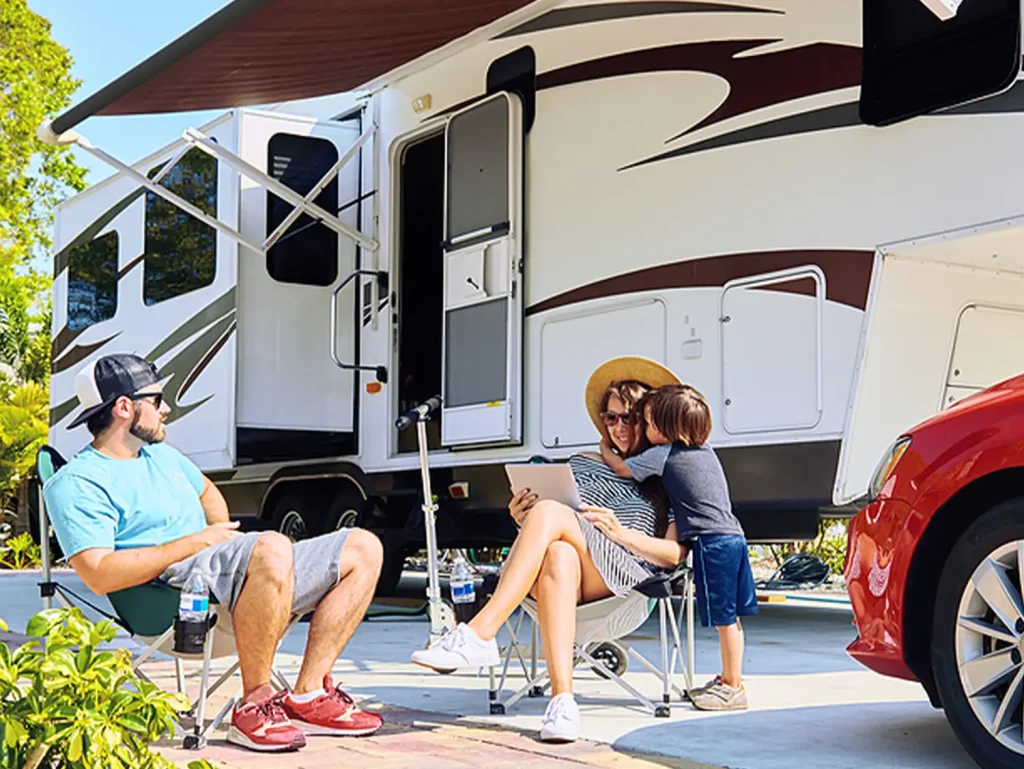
<point x="35" y="84"/>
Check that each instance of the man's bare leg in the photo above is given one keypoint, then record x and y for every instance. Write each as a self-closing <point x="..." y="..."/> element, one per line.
<point x="262" y="611"/>
<point x="547" y="522"/>
<point x="340" y="612"/>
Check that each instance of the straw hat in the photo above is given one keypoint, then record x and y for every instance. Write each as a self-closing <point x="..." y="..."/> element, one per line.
<point x="628" y="367"/>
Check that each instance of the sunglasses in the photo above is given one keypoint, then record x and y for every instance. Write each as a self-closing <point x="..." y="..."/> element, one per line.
<point x="612" y="418"/>
<point x="158" y="398"/>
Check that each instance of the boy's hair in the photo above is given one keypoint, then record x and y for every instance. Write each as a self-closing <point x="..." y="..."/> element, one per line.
<point x="679" y="412"/>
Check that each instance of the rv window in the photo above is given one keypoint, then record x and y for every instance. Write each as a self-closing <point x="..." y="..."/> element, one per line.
<point x="308" y="252"/>
<point x="92" y="282"/>
<point x="181" y="251"/>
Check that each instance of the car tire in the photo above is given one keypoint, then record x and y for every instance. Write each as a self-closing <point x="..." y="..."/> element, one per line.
<point x="986" y="551"/>
<point x="298" y="515"/>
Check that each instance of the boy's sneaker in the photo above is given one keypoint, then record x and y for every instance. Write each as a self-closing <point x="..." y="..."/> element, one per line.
<point x="561" y="721"/>
<point x="704" y="687"/>
<point x="720" y="696"/>
<point x="332" y="712"/>
<point x="264" y="726"/>
<point x="461" y="648"/>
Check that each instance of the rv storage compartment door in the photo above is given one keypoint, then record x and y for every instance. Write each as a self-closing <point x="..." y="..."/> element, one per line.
<point x="482" y="329"/>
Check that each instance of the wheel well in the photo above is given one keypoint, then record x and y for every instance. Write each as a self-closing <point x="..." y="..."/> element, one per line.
<point x="278" y="487"/>
<point x="944" y="529"/>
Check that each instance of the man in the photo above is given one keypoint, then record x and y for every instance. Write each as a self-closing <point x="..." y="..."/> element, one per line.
<point x="129" y="509"/>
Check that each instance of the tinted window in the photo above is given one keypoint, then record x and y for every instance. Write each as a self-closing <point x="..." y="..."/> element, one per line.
<point x="181" y="251"/>
<point x="308" y="251"/>
<point x="92" y="282"/>
<point x="915" y="63"/>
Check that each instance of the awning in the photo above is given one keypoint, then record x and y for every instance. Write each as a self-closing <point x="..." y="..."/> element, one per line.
<point x="266" y="51"/>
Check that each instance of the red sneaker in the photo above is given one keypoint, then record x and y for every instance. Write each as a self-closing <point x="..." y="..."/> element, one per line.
<point x="264" y="726"/>
<point x="333" y="712"/>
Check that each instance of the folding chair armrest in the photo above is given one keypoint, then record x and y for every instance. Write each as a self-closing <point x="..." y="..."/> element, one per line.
<point x="658" y="586"/>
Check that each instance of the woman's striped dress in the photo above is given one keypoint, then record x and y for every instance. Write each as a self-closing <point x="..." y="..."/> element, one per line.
<point x="600" y="486"/>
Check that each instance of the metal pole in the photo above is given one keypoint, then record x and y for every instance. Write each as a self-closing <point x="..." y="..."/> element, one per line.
<point x="437" y="628"/>
<point x="44" y="546"/>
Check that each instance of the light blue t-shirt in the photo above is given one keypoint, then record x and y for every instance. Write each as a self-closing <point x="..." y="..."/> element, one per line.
<point x="96" y="501"/>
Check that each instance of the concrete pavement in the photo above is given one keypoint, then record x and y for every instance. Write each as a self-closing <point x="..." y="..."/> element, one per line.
<point x="811" y="705"/>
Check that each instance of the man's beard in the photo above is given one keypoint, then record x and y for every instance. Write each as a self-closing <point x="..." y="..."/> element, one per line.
<point x="144" y="434"/>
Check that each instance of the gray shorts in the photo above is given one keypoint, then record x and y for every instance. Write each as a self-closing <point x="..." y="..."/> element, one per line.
<point x="224" y="567"/>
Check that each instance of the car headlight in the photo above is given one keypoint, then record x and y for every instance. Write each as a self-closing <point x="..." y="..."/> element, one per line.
<point x="885" y="468"/>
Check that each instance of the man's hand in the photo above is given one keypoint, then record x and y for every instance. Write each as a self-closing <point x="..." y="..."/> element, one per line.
<point x="520" y="505"/>
<point x="216" y="533"/>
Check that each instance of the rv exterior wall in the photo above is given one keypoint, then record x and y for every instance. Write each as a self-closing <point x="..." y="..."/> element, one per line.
<point x="673" y="154"/>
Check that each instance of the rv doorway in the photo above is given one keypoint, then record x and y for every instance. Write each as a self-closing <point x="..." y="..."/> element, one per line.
<point x="421" y="282"/>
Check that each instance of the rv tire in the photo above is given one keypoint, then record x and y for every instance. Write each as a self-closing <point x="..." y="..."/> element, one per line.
<point x="297" y="515"/>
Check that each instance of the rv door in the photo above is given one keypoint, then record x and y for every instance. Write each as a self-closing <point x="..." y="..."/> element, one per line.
<point x="482" y="307"/>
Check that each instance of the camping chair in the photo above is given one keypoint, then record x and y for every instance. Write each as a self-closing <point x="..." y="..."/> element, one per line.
<point x="147" y="612"/>
<point x="600" y="627"/>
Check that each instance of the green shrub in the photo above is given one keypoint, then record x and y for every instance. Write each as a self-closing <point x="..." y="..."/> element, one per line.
<point x="20" y="552"/>
<point x="74" y="706"/>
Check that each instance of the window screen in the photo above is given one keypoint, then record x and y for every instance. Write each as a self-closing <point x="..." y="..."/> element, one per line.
<point x="477" y="195"/>
<point x="475" y="354"/>
<point x="92" y="282"/>
<point x="181" y="251"/>
<point x="308" y="251"/>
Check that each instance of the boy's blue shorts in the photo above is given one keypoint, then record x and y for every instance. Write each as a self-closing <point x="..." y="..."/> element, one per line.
<point x="723" y="579"/>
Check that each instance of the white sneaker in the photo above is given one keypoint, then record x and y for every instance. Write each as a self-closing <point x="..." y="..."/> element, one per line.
<point x="561" y="720"/>
<point x="461" y="648"/>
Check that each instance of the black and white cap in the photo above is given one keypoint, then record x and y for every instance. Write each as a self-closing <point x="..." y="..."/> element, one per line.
<point x="106" y="379"/>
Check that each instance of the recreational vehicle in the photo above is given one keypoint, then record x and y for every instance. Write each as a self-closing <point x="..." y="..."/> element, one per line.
<point x="486" y="200"/>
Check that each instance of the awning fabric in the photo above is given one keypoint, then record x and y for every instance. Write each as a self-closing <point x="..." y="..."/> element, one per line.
<point x="266" y="51"/>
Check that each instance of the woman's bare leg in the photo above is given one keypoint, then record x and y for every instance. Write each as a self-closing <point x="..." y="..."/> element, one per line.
<point x="558" y="591"/>
<point x="546" y="523"/>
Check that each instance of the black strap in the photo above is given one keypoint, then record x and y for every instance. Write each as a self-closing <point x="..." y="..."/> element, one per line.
<point x="94" y="607"/>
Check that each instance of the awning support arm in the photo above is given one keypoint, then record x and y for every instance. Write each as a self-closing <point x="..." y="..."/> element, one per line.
<point x="211" y="147"/>
<point x="319" y="187"/>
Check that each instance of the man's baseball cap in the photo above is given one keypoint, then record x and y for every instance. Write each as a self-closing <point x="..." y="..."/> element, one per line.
<point x="106" y="379"/>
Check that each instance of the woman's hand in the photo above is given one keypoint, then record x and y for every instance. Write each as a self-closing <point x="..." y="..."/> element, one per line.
<point x="520" y="505"/>
<point x="606" y="522"/>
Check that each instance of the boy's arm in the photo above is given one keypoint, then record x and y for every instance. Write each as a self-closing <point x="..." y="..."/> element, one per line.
<point x="614" y="461"/>
<point x="648" y="463"/>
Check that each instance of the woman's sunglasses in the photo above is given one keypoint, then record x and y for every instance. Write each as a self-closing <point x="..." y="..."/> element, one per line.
<point x="612" y="418"/>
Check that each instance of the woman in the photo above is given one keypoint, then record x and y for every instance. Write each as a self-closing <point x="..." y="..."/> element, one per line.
<point x="563" y="557"/>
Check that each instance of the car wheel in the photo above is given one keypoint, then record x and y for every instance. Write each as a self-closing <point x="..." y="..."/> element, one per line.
<point x="297" y="516"/>
<point x="978" y="637"/>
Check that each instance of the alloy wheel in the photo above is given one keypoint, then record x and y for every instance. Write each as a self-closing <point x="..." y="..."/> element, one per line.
<point x="990" y="644"/>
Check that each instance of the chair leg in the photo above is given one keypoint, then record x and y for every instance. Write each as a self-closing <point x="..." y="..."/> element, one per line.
<point x="660" y="711"/>
<point x="686" y="666"/>
<point x="666" y="692"/>
<point x="179" y="671"/>
<point x="197" y="740"/>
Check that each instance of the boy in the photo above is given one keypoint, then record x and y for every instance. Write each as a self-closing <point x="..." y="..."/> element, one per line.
<point x="678" y="423"/>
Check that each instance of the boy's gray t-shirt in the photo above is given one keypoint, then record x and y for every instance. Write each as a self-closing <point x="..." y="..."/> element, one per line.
<point x="695" y="483"/>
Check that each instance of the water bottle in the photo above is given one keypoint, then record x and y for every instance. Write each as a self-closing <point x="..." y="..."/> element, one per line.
<point x="193" y="612"/>
<point x="463" y="590"/>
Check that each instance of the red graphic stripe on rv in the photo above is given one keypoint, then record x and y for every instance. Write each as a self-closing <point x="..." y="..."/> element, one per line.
<point x="755" y="81"/>
<point x="847" y="276"/>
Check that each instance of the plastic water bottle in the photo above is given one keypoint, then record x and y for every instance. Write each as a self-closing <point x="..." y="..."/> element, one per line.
<point x="463" y="590"/>
<point x="193" y="613"/>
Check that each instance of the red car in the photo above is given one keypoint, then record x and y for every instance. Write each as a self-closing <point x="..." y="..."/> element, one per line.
<point x="935" y="569"/>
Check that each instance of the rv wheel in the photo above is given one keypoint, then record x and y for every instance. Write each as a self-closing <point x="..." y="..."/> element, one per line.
<point x="345" y="510"/>
<point x="293" y="517"/>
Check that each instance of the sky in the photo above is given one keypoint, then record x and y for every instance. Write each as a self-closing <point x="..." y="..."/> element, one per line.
<point x="106" y="38"/>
